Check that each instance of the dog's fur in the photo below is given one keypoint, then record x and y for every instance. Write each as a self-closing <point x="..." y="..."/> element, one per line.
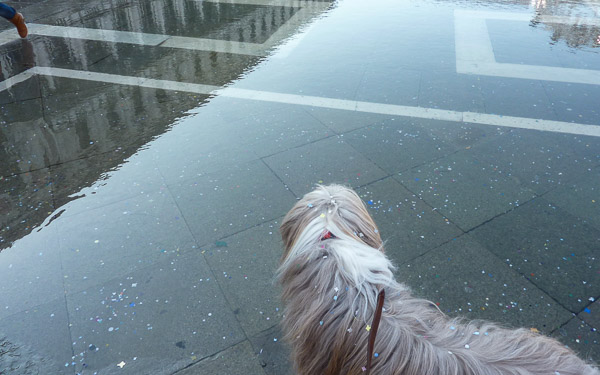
<point x="330" y="289"/>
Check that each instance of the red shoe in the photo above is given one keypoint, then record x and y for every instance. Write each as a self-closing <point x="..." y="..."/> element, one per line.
<point x="19" y="22"/>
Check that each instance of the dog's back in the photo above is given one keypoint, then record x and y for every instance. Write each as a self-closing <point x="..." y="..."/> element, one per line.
<point x="331" y="272"/>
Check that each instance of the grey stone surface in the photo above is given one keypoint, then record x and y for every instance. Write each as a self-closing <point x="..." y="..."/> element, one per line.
<point x="119" y="181"/>
<point x="30" y="272"/>
<point x="408" y="226"/>
<point x="26" y="90"/>
<point x="537" y="160"/>
<point x="323" y="162"/>
<point x="396" y="145"/>
<point x="37" y="340"/>
<point x="284" y="127"/>
<point x="158" y="319"/>
<point x="156" y="63"/>
<point x="391" y="86"/>
<point x="553" y="249"/>
<point x="450" y="91"/>
<point x="18" y="359"/>
<point x="184" y="191"/>
<point x="244" y="265"/>
<point x="26" y="200"/>
<point x="236" y="360"/>
<point x="574" y="103"/>
<point x="325" y="81"/>
<point x="580" y="197"/>
<point x="223" y="203"/>
<point x="197" y="148"/>
<point x="465" y="279"/>
<point x="591" y="314"/>
<point x="528" y="97"/>
<point x="581" y="338"/>
<point x="341" y="121"/>
<point x="99" y="245"/>
<point x="465" y="190"/>
<point x="15" y="113"/>
<point x="272" y="352"/>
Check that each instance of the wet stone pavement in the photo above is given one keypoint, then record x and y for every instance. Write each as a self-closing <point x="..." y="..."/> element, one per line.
<point x="149" y="150"/>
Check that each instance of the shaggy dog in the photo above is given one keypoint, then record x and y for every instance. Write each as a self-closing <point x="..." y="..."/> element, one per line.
<point x="332" y="271"/>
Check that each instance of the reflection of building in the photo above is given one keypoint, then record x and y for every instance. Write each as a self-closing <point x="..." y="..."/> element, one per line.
<point x="583" y="28"/>
<point x="69" y="133"/>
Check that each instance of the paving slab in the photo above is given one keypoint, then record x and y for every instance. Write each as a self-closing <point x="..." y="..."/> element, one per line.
<point x="11" y="363"/>
<point x="223" y="203"/>
<point x="528" y="98"/>
<point x="465" y="190"/>
<point x="465" y="279"/>
<point x="237" y="360"/>
<point x="539" y="161"/>
<point x="67" y="53"/>
<point x="396" y="145"/>
<point x="272" y="352"/>
<point x="69" y="87"/>
<point x="580" y="197"/>
<point x="31" y="272"/>
<point x="244" y="266"/>
<point x="198" y="146"/>
<point x="103" y="179"/>
<point x="26" y="90"/>
<point x="27" y="147"/>
<point x="342" y="121"/>
<point x="156" y="320"/>
<point x="287" y="126"/>
<point x="203" y="67"/>
<point x="318" y="77"/>
<point x="408" y="226"/>
<point x="458" y="92"/>
<point x="591" y="314"/>
<point x="40" y="338"/>
<point x="80" y="104"/>
<point x="581" y="338"/>
<point x="18" y="56"/>
<point x="99" y="245"/>
<point x="15" y="113"/>
<point x="224" y="109"/>
<point x="462" y="136"/>
<point x="25" y="202"/>
<point x="553" y="249"/>
<point x="323" y="162"/>
<point x="574" y="103"/>
<point x="391" y="86"/>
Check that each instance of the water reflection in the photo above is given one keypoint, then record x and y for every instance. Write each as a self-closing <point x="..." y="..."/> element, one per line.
<point x="59" y="135"/>
<point x="583" y="29"/>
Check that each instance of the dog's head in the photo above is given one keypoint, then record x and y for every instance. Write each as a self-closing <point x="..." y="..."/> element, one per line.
<point x="333" y="208"/>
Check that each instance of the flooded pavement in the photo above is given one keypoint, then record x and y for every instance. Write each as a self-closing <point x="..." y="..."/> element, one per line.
<point x="149" y="150"/>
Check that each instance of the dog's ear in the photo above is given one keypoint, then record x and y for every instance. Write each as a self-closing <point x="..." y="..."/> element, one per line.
<point x="293" y="224"/>
<point x="343" y="208"/>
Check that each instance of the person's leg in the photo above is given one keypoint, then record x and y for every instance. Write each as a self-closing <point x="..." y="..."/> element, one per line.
<point x="7" y="11"/>
<point x="15" y="18"/>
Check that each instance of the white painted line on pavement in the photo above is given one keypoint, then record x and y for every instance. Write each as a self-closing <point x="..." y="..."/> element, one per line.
<point x="320" y="102"/>
<point x="280" y="3"/>
<point x="475" y="55"/>
<point x="21" y="77"/>
<point x="101" y="35"/>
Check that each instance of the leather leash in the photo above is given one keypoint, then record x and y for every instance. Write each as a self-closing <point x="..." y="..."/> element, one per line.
<point x="374" y="328"/>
